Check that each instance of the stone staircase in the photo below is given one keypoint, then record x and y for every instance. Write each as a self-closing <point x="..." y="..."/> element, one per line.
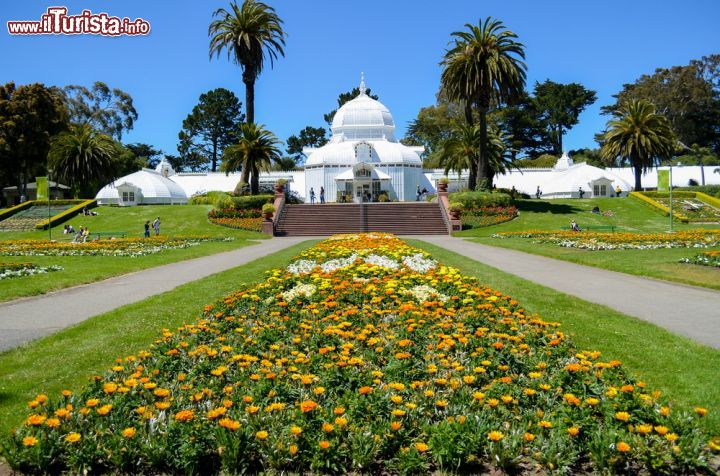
<point x="402" y="218"/>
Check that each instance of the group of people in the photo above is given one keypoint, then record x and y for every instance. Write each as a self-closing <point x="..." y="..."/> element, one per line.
<point x="155" y="225"/>
<point x="322" y="195"/>
<point x="82" y="234"/>
<point x="420" y="194"/>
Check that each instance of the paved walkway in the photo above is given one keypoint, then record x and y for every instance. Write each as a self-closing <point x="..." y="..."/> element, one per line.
<point x="27" y="319"/>
<point x="686" y="310"/>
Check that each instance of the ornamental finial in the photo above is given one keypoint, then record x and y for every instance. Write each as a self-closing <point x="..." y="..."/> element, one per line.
<point x="362" y="84"/>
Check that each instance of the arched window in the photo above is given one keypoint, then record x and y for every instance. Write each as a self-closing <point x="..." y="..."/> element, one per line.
<point x="362" y="173"/>
<point x="363" y="152"/>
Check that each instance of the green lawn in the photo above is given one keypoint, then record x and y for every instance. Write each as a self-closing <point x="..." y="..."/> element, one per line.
<point x="681" y="368"/>
<point x="68" y="358"/>
<point x="629" y="215"/>
<point x="176" y="220"/>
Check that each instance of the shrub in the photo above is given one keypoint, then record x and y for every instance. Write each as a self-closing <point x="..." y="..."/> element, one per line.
<point x="481" y="199"/>
<point x="709" y="189"/>
<point x="208" y="198"/>
<point x="456" y="207"/>
<point x="251" y="201"/>
<point x="268" y="208"/>
<point x="383" y="197"/>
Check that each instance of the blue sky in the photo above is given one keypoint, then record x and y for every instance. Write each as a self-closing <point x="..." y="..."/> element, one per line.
<point x="397" y="43"/>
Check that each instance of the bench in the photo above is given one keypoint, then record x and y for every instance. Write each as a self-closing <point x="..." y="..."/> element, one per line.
<point x="610" y="228"/>
<point x="108" y="234"/>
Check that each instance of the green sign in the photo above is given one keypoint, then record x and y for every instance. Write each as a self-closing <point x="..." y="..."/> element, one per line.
<point x="663" y="180"/>
<point x="42" y="188"/>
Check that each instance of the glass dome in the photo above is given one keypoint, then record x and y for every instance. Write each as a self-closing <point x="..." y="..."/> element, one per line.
<point x="363" y="118"/>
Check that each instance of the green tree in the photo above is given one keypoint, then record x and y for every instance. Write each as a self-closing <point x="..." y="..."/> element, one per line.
<point x="483" y="68"/>
<point x="250" y="34"/>
<point x="639" y="135"/>
<point x="145" y="154"/>
<point x="256" y="149"/>
<point x="108" y="110"/>
<point x="689" y="96"/>
<point x="308" y="137"/>
<point x="522" y="124"/>
<point x="83" y="157"/>
<point x="211" y="126"/>
<point x="345" y="97"/>
<point x="29" y="116"/>
<point x="559" y="106"/>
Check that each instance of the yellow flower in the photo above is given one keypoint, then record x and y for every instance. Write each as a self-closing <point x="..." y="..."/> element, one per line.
<point x="622" y="416"/>
<point x="35" y="420"/>
<point x="644" y="429"/>
<point x="396" y="399"/>
<point x="319" y="390"/>
<point x="701" y="411"/>
<point x="421" y="447"/>
<point x="52" y="422"/>
<point x="93" y="402"/>
<point x="573" y="431"/>
<point x="339" y="410"/>
<point x="545" y="424"/>
<point x="229" y="423"/>
<point x="495" y="436"/>
<point x="661" y="430"/>
<point x="261" y="435"/>
<point x="129" y="432"/>
<point x="73" y="437"/>
<point x="528" y="437"/>
<point x="341" y="422"/>
<point x="592" y="401"/>
<point x="293" y="449"/>
<point x="104" y="410"/>
<point x="295" y="430"/>
<point x="29" y="441"/>
<point x="671" y="437"/>
<point x="327" y="427"/>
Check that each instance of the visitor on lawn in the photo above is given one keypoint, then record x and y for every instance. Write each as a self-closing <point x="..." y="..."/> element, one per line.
<point x="147" y="229"/>
<point x="79" y="235"/>
<point x="581" y="192"/>
<point x="322" y="194"/>
<point x="618" y="192"/>
<point x="574" y="226"/>
<point x="85" y="234"/>
<point x="538" y="193"/>
<point x="312" y="195"/>
<point x="156" y="226"/>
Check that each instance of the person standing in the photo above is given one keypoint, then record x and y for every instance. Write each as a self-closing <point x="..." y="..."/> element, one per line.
<point x="417" y="194"/>
<point x="618" y="192"/>
<point x="538" y="193"/>
<point x="156" y="226"/>
<point x="312" y="195"/>
<point x="322" y="194"/>
<point x="581" y="192"/>
<point x="147" y="229"/>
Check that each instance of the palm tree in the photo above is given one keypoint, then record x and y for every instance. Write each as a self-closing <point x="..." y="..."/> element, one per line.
<point x="255" y="150"/>
<point x="483" y="67"/>
<point x="250" y="33"/>
<point x="461" y="149"/>
<point x="639" y="135"/>
<point x="82" y="156"/>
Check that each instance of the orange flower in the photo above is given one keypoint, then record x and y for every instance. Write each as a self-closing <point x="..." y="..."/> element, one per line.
<point x="421" y="447"/>
<point x="229" y="423"/>
<point x="573" y="431"/>
<point x="184" y="415"/>
<point x="528" y="437"/>
<point x="365" y="390"/>
<point x="701" y="411"/>
<point x="29" y="441"/>
<point x="129" y="432"/>
<point x="308" y="406"/>
<point x="324" y="444"/>
<point x="35" y="420"/>
<point x="623" y="447"/>
<point x="395" y="425"/>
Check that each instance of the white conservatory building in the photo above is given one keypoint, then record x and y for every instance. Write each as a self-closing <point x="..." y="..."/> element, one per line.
<point x="363" y="159"/>
<point x="146" y="187"/>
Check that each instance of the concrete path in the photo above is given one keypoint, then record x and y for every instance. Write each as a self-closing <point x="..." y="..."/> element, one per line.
<point x="27" y="319"/>
<point x="686" y="310"/>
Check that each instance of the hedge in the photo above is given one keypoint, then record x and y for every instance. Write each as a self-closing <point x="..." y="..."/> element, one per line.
<point x="712" y="201"/>
<point x="67" y="214"/>
<point x="8" y="212"/>
<point x="480" y="199"/>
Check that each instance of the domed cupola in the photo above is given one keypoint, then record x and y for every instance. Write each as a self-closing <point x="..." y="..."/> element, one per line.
<point x="363" y="118"/>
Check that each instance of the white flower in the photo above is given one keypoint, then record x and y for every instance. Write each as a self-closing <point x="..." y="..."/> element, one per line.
<point x="302" y="266"/>
<point x="338" y="263"/>
<point x="424" y="293"/>
<point x="382" y="261"/>
<point x="418" y="263"/>
<point x="302" y="289"/>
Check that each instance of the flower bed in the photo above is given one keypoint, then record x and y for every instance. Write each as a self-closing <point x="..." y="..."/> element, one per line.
<point x="238" y="218"/>
<point x="363" y="355"/>
<point x="251" y="224"/>
<point x="707" y="258"/>
<point x="488" y="216"/>
<point x="695" y="210"/>
<point x="17" y="270"/>
<point x="615" y="241"/>
<point x="116" y="247"/>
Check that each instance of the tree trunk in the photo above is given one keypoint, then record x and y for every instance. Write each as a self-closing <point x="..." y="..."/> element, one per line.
<point x="482" y="164"/>
<point x="638" y="177"/>
<point x="249" y="80"/>
<point x="254" y="181"/>
<point x="559" y="141"/>
<point x="472" y="171"/>
<point x="244" y="174"/>
<point x="214" y="156"/>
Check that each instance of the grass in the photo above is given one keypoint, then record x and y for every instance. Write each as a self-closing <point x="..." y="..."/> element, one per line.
<point x="176" y="220"/>
<point x="681" y="368"/>
<point x="629" y="215"/>
<point x="68" y="358"/>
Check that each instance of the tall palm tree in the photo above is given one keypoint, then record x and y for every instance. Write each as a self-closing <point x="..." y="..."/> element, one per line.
<point x="81" y="157"/>
<point x="250" y="33"/>
<point x="483" y="67"/>
<point x="255" y="150"/>
<point x="639" y="135"/>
